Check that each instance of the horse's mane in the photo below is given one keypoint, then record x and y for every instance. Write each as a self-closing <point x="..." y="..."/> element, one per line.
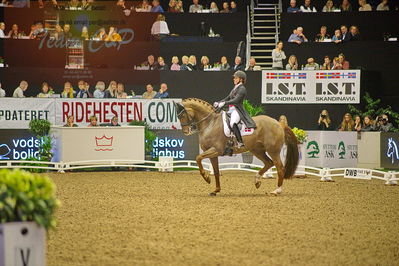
<point x="201" y="102"/>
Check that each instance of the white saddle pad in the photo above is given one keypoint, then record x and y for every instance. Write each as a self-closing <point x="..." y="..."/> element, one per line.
<point x="244" y="130"/>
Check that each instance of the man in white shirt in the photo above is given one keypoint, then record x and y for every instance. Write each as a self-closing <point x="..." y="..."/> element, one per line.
<point x="19" y="92"/>
<point x="195" y="7"/>
<point x="308" y="7"/>
<point x="2" y="28"/>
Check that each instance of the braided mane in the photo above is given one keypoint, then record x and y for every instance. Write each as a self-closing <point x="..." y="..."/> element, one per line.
<point x="201" y="102"/>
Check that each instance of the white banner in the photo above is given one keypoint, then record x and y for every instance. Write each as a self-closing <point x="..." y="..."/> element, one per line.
<point x="318" y="86"/>
<point x="17" y="113"/>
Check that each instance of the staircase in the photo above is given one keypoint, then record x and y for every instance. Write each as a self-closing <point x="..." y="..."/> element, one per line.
<point x="265" y="31"/>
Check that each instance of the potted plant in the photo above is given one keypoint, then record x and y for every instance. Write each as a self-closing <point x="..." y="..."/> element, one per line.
<point x="302" y="137"/>
<point x="27" y="209"/>
<point x="253" y="110"/>
<point x="149" y="136"/>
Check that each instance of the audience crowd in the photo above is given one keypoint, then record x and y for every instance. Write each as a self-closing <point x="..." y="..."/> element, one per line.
<point x="340" y="6"/>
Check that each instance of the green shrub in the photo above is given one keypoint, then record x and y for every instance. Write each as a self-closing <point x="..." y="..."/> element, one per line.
<point x="27" y="197"/>
<point x="39" y="127"/>
<point x="253" y="110"/>
<point x="149" y="135"/>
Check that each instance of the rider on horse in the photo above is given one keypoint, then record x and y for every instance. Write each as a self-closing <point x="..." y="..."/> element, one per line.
<point x="236" y="109"/>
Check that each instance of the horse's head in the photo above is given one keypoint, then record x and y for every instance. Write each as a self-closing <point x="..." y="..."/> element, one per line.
<point x="186" y="117"/>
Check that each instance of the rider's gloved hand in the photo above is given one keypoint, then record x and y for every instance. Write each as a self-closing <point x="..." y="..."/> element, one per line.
<point x="221" y="104"/>
<point x="216" y="104"/>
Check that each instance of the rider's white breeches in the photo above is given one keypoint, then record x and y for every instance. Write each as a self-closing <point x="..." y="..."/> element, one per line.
<point x="234" y="117"/>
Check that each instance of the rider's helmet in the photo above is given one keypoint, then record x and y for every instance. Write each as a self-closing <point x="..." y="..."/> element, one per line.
<point x="240" y="74"/>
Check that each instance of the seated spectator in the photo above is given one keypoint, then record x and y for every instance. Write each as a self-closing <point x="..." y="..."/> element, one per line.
<point x="347" y="123"/>
<point x="368" y="124"/>
<point x="14" y="33"/>
<point x="195" y="7"/>
<point x="161" y="64"/>
<point x="66" y="33"/>
<point x="83" y="90"/>
<point x="336" y="64"/>
<point x="345" y="35"/>
<point x="111" y="90"/>
<point x="283" y="120"/>
<point x="237" y="64"/>
<point x="233" y="7"/>
<point x="160" y="29"/>
<point x="120" y="91"/>
<point x="308" y="7"/>
<point x="214" y="8"/>
<point x="337" y="36"/>
<point x="172" y="6"/>
<point x="86" y="5"/>
<point x="72" y="4"/>
<point x="293" y="8"/>
<point x="19" y="91"/>
<point x="297" y="36"/>
<point x="113" y="35"/>
<point x="358" y="124"/>
<point x="2" y="28"/>
<point x="114" y="122"/>
<point x="327" y="65"/>
<point x="345" y="6"/>
<point x="179" y="6"/>
<point x="278" y="56"/>
<point x="324" y="122"/>
<point x="85" y="33"/>
<point x="364" y="6"/>
<point x="2" y="92"/>
<point x="343" y="61"/>
<point x="292" y="63"/>
<point x="162" y="93"/>
<point x="150" y="93"/>
<point x="382" y="124"/>
<point x="224" y="65"/>
<point x="100" y="90"/>
<point x="150" y="63"/>
<point x="144" y="7"/>
<point x="39" y="32"/>
<point x="192" y="63"/>
<point x="354" y="32"/>
<point x="58" y="32"/>
<point x="311" y="65"/>
<point x="156" y="7"/>
<point x="323" y="35"/>
<point x="225" y="8"/>
<point x="205" y="63"/>
<point x="45" y="91"/>
<point x="329" y="7"/>
<point x="70" y="121"/>
<point x="184" y="61"/>
<point x="383" y="6"/>
<point x="93" y="121"/>
<point x="68" y="91"/>
<point x="32" y="29"/>
<point x="252" y="65"/>
<point x="175" y="64"/>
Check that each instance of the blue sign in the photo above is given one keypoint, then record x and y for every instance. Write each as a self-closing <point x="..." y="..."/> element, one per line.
<point x="17" y="144"/>
<point x="390" y="150"/>
<point x="175" y="144"/>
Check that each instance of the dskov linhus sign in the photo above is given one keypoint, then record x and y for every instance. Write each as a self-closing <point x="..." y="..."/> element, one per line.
<point x="340" y="86"/>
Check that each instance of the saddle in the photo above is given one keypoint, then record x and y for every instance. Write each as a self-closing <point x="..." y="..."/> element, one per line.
<point x="231" y="139"/>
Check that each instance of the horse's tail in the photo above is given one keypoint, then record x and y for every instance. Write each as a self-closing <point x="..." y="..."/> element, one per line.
<point x="292" y="159"/>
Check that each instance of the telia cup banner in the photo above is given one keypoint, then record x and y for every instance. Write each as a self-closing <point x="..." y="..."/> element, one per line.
<point x="318" y="86"/>
<point x="389" y="150"/>
<point x="17" y="113"/>
<point x="331" y="149"/>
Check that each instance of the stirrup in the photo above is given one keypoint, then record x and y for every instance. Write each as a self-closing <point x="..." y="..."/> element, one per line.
<point x="240" y="145"/>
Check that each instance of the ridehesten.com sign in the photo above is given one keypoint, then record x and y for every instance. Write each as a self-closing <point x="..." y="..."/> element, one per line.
<point x="332" y="87"/>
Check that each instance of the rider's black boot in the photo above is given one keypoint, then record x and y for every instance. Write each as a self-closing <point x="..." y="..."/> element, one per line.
<point x="237" y="133"/>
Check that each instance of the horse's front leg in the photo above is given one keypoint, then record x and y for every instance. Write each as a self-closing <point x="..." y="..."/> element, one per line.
<point x="212" y="152"/>
<point x="215" y="165"/>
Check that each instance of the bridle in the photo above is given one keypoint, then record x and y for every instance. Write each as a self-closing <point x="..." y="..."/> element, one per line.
<point x="191" y="123"/>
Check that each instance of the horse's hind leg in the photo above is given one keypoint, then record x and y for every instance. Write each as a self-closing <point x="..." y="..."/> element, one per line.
<point x="261" y="155"/>
<point x="280" y="171"/>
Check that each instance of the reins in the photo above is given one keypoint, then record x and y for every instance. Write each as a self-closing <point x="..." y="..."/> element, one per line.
<point x="191" y="123"/>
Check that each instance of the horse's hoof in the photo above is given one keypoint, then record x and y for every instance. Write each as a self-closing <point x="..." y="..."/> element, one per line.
<point x="257" y="184"/>
<point x="207" y="179"/>
<point x="276" y="192"/>
<point x="213" y="194"/>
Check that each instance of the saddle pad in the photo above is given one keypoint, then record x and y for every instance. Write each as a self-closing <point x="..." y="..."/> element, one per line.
<point x="244" y="130"/>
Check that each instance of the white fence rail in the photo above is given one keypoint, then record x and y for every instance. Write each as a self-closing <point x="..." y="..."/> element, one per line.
<point x="325" y="174"/>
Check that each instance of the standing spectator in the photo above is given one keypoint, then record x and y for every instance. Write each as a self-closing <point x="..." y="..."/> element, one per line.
<point x="120" y="91"/>
<point x="383" y="6"/>
<point x="329" y="7"/>
<point x="364" y="6"/>
<point x="311" y="65"/>
<point x="327" y="65"/>
<point x="156" y="7"/>
<point x="347" y="123"/>
<point x="44" y="91"/>
<point x="337" y="36"/>
<point x="184" y="63"/>
<point x="195" y="7"/>
<point x="175" y="64"/>
<point x="336" y="64"/>
<point x="252" y="65"/>
<point x="19" y="91"/>
<point x="2" y="28"/>
<point x="224" y="64"/>
<point x="368" y="124"/>
<point x="278" y="56"/>
<point x="233" y="6"/>
<point x="70" y="121"/>
<point x="355" y="34"/>
<point x="111" y="90"/>
<point x="162" y="93"/>
<point x="237" y="64"/>
<point x="93" y="121"/>
<point x="346" y="37"/>
<point x="382" y="124"/>
<point x="293" y="8"/>
<point x="161" y="64"/>
<point x="160" y="29"/>
<point x="225" y="8"/>
<point x="2" y="92"/>
<point x="322" y="35"/>
<point x="205" y="63"/>
<point x="68" y="91"/>
<point x="172" y="6"/>
<point x="179" y="6"/>
<point x="297" y="36"/>
<point x="83" y="90"/>
<point x="343" y="61"/>
<point x="324" y="122"/>
<point x="192" y="63"/>
<point x="66" y="34"/>
<point x="358" y="124"/>
<point x="346" y="6"/>
<point x="214" y="8"/>
<point x="144" y="7"/>
<point x="150" y="93"/>
<point x="308" y="7"/>
<point x="283" y="120"/>
<point x="100" y="90"/>
<point x="14" y="32"/>
<point x="292" y="63"/>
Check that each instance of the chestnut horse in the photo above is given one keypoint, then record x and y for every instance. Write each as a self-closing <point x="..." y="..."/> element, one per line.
<point x="196" y="115"/>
